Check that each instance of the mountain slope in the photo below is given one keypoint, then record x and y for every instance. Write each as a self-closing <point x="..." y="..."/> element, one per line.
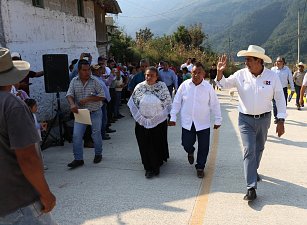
<point x="269" y="23"/>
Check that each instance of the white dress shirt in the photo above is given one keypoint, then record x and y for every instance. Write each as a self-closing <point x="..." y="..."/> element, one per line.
<point x="305" y="80"/>
<point x="195" y="104"/>
<point x="256" y="93"/>
<point x="285" y="76"/>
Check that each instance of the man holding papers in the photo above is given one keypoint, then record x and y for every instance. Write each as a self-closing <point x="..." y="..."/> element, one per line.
<point x="85" y="92"/>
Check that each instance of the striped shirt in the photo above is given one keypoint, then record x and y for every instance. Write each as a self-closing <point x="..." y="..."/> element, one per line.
<point x="79" y="91"/>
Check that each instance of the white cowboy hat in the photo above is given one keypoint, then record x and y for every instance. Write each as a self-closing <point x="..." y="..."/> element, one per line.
<point x="255" y="51"/>
<point x="301" y="64"/>
<point x="11" y="72"/>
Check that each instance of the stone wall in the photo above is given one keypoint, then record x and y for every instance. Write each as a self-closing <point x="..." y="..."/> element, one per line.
<point x="54" y="29"/>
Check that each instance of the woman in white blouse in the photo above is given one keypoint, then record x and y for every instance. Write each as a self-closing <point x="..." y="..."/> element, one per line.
<point x="150" y="104"/>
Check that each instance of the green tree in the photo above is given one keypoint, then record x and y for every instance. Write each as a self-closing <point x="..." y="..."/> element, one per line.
<point x="182" y="35"/>
<point x="144" y="35"/>
<point x="197" y="35"/>
<point x="121" y="47"/>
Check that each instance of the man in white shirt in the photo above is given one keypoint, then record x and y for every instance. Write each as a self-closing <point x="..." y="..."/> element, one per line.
<point x="187" y="64"/>
<point x="303" y="89"/>
<point x="195" y="99"/>
<point x="285" y="76"/>
<point x="256" y="86"/>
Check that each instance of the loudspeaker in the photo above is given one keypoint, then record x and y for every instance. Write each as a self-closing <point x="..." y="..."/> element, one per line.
<point x="56" y="73"/>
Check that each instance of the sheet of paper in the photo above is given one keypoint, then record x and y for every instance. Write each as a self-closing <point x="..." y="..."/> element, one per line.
<point x="83" y="116"/>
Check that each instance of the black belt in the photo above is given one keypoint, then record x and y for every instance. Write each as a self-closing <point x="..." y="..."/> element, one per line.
<point x="257" y="116"/>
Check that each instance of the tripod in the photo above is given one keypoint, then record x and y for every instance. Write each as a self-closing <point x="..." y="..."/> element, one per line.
<point x="58" y="116"/>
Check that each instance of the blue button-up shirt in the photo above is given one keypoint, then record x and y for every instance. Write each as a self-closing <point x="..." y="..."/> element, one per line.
<point x="169" y="78"/>
<point x="138" y="78"/>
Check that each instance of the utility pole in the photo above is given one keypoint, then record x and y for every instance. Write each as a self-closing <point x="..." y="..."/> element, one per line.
<point x="298" y="36"/>
<point x="229" y="48"/>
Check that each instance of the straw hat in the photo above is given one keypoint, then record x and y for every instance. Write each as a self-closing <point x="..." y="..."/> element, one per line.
<point x="11" y="72"/>
<point x="255" y="51"/>
<point x="300" y="64"/>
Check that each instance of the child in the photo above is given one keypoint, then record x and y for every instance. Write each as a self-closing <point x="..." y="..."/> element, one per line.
<point x="39" y="126"/>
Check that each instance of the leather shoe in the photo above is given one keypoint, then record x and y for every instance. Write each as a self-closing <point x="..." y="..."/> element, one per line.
<point x="191" y="158"/>
<point x="250" y="195"/>
<point x="151" y="173"/>
<point x="258" y="177"/>
<point x="109" y="130"/>
<point x="75" y="164"/>
<point x="97" y="159"/>
<point x="200" y="173"/>
<point x="106" y="138"/>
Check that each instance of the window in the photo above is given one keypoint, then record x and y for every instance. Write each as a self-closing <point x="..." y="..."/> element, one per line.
<point x="80" y="8"/>
<point x="38" y="3"/>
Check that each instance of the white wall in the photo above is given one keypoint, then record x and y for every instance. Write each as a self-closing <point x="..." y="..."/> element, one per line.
<point x="34" y="31"/>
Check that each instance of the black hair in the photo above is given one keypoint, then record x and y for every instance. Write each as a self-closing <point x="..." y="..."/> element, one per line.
<point x="30" y="102"/>
<point x="154" y="69"/>
<point x="185" y="69"/>
<point x="74" y="61"/>
<point x="199" y="64"/>
<point x="82" y="62"/>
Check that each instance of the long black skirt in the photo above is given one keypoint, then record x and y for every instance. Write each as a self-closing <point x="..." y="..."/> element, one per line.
<point x="153" y="145"/>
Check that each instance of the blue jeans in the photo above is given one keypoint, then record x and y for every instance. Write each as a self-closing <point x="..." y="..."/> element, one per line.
<point x="104" y="120"/>
<point x="188" y="139"/>
<point x="31" y="214"/>
<point x="79" y="130"/>
<point x="254" y="135"/>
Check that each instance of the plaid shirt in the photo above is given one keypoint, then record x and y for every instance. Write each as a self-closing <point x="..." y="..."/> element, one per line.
<point x="79" y="91"/>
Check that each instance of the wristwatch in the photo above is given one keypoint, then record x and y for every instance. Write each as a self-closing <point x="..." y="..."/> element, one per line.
<point x="281" y="120"/>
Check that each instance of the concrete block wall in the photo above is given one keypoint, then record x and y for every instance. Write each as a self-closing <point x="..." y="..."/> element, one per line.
<point x="55" y="29"/>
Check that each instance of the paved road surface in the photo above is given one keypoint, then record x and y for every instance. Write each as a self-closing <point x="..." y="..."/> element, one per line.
<point x="117" y="192"/>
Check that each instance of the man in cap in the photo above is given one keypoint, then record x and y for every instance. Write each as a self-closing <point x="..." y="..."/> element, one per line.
<point x="256" y="86"/>
<point x="25" y="195"/>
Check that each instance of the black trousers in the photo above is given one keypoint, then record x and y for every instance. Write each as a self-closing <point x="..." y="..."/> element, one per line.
<point x="153" y="145"/>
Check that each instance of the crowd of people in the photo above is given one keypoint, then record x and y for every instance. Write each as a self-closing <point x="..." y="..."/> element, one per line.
<point x="154" y="95"/>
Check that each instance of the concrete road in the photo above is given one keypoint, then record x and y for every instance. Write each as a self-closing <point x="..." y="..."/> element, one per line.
<point x="117" y="192"/>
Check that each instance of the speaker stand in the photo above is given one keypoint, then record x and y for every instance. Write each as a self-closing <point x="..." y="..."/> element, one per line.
<point x="57" y="141"/>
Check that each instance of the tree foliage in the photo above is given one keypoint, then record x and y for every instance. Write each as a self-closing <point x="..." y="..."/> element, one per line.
<point x="175" y="48"/>
<point x="143" y="36"/>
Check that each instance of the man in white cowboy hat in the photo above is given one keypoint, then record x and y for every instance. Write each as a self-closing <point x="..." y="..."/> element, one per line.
<point x="25" y="195"/>
<point x="256" y="86"/>
<point x="298" y="77"/>
<point x="285" y="76"/>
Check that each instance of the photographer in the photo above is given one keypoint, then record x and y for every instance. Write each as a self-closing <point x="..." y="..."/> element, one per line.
<point x="74" y="72"/>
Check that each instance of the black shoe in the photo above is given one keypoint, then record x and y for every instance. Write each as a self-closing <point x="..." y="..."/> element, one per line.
<point x="200" y="173"/>
<point x="275" y="121"/>
<point x="250" y="195"/>
<point x="151" y="173"/>
<point x="120" y="116"/>
<point x="191" y="158"/>
<point x="89" y="144"/>
<point x="258" y="177"/>
<point x="97" y="159"/>
<point x="109" y="130"/>
<point x="106" y="138"/>
<point x="75" y="164"/>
